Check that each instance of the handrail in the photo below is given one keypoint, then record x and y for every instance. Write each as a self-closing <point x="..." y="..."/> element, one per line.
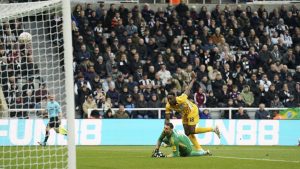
<point x="210" y="109"/>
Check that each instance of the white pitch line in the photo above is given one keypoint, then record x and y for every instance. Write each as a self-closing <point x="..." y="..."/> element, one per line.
<point x="97" y="157"/>
<point x="222" y="149"/>
<point x="256" y="159"/>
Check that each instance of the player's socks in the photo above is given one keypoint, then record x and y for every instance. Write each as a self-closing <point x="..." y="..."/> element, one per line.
<point x="46" y="137"/>
<point x="199" y="153"/>
<point x="194" y="140"/>
<point x="203" y="130"/>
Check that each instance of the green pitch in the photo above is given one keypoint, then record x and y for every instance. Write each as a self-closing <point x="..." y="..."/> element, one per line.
<point x="138" y="157"/>
<point x="231" y="157"/>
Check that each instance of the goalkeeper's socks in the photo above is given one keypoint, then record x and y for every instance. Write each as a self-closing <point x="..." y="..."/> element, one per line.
<point x="199" y="153"/>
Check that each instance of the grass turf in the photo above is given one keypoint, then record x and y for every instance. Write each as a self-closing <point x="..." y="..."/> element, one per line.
<point x="138" y="157"/>
<point x="231" y="157"/>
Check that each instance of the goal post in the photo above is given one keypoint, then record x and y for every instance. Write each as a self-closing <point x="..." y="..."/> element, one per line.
<point x="67" y="31"/>
<point x="35" y="62"/>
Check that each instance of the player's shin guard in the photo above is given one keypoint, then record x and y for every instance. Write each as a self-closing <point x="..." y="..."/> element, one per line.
<point x="203" y="130"/>
<point x="195" y="142"/>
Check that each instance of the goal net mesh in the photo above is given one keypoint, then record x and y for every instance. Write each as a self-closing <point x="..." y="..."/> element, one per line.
<point x="31" y="68"/>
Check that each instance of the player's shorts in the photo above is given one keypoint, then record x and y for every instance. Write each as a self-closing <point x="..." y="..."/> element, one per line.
<point x="54" y="122"/>
<point x="192" y="118"/>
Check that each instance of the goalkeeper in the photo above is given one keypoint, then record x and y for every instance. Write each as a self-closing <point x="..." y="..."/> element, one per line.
<point x="55" y="113"/>
<point x="180" y="143"/>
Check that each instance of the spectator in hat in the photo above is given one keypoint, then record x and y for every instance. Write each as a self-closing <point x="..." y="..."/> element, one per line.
<point x="129" y="104"/>
<point x="291" y="102"/>
<point x="138" y="74"/>
<point x="276" y="102"/>
<point x="115" y="73"/>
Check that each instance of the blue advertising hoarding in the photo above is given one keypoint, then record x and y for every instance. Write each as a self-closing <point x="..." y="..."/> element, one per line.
<point x="145" y="132"/>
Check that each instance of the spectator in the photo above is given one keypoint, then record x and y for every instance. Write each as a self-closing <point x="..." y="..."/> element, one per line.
<point x="297" y="94"/>
<point x="113" y="94"/>
<point x="239" y="102"/>
<point x="205" y="114"/>
<point x="241" y="114"/>
<point x="122" y="113"/>
<point x="41" y="93"/>
<point x="262" y="113"/>
<point x="130" y="104"/>
<point x="205" y="84"/>
<point x="83" y="92"/>
<point x="289" y="59"/>
<point x="247" y="96"/>
<point x="291" y="102"/>
<point x="108" y="114"/>
<point x="200" y="98"/>
<point x="100" y="67"/>
<point x="211" y="100"/>
<point x="155" y="103"/>
<point x="277" y="116"/>
<point x="88" y="104"/>
<point x="141" y="103"/>
<point x="164" y="74"/>
<point x="276" y="103"/>
<point x="265" y="82"/>
<point x="28" y="86"/>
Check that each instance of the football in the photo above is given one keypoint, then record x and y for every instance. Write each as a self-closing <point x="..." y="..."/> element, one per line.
<point x="25" y="37"/>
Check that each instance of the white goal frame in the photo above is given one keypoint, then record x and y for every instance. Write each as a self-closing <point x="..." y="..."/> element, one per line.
<point x="70" y="106"/>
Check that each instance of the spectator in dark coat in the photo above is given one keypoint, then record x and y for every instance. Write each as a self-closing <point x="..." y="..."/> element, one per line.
<point x="262" y="113"/>
<point x="241" y="114"/>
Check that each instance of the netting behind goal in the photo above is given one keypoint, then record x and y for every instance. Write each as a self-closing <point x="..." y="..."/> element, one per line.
<point x="31" y="59"/>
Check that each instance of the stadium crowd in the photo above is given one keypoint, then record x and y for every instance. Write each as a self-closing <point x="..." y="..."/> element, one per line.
<point x="18" y="71"/>
<point x="131" y="58"/>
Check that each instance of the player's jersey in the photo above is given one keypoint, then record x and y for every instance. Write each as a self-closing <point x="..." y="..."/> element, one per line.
<point x="53" y="109"/>
<point x="184" y="105"/>
<point x="180" y="143"/>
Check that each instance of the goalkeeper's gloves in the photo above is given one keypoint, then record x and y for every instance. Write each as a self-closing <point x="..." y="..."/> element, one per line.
<point x="158" y="154"/>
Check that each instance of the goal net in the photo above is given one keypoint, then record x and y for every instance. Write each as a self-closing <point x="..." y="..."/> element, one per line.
<point x="31" y="69"/>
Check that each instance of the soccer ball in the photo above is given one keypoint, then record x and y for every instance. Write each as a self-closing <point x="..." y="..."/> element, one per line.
<point x="158" y="154"/>
<point x="25" y="37"/>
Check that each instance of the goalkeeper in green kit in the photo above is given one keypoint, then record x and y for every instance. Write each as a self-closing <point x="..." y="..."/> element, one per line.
<point x="180" y="144"/>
